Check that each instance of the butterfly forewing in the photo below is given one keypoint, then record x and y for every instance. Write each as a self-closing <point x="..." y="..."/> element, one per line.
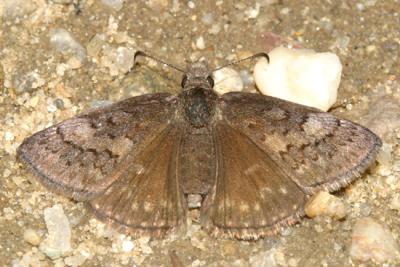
<point x="252" y="196"/>
<point x="316" y="149"/>
<point x="82" y="156"/>
<point x="147" y="199"/>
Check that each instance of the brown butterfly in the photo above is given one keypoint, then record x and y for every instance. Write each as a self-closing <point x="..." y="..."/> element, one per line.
<point x="253" y="159"/>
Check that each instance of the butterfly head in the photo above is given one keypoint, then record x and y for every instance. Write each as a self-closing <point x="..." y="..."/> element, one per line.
<point x="197" y="75"/>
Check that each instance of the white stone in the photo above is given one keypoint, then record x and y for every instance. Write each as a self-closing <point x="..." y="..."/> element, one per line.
<point x="200" y="44"/>
<point x="227" y="80"/>
<point x="301" y="76"/>
<point x="9" y="136"/>
<point x="191" y="4"/>
<point x="253" y="13"/>
<point x="372" y="241"/>
<point x="127" y="245"/>
<point x="58" y="239"/>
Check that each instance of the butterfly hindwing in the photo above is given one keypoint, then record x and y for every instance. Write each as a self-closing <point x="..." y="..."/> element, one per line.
<point x="147" y="199"/>
<point x="315" y="148"/>
<point x="82" y="156"/>
<point x="252" y="196"/>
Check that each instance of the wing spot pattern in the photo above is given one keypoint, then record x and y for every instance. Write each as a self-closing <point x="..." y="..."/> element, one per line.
<point x="244" y="207"/>
<point x="283" y="190"/>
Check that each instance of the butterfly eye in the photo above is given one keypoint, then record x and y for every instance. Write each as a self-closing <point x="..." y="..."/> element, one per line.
<point x="184" y="80"/>
<point x="210" y="80"/>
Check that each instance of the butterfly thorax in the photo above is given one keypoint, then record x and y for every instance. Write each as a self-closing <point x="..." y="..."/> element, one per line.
<point x="199" y="99"/>
<point x="199" y="106"/>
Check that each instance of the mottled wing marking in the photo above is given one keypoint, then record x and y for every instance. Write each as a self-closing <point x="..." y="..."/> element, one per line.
<point x="316" y="149"/>
<point x="82" y="156"/>
<point x="147" y="199"/>
<point x="252" y="196"/>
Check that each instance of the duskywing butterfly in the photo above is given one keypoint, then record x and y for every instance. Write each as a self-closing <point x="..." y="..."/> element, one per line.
<point x="254" y="159"/>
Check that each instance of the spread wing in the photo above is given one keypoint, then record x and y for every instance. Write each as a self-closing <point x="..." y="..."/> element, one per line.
<point x="271" y="155"/>
<point x="147" y="199"/>
<point x="316" y="149"/>
<point x="84" y="155"/>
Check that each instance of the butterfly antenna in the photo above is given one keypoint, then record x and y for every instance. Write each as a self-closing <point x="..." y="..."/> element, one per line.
<point x="262" y="54"/>
<point x="144" y="54"/>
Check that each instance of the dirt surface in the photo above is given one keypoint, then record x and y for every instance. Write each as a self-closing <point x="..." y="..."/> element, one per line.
<point x="45" y="81"/>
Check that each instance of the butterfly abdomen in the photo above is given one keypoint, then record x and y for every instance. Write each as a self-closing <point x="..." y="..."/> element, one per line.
<point x="197" y="161"/>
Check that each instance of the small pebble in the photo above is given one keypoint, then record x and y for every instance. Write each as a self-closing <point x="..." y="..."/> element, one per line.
<point x="96" y="45"/>
<point x="215" y="29"/>
<point x="13" y="9"/>
<point x="246" y="77"/>
<point x="51" y="108"/>
<point x="100" y="104"/>
<point x="301" y="76"/>
<point x="32" y="237"/>
<point x="28" y="259"/>
<point x="114" y="4"/>
<point x="207" y="19"/>
<point x="191" y="4"/>
<point x="365" y="209"/>
<point x="326" y="204"/>
<point x="342" y="41"/>
<point x="227" y="80"/>
<point x="58" y="239"/>
<point x="8" y="136"/>
<point x="59" y="103"/>
<point x="118" y="60"/>
<point x="372" y="241"/>
<point x="395" y="202"/>
<point x="200" y="44"/>
<point x="159" y="5"/>
<point x="384" y="156"/>
<point x="293" y="262"/>
<point x="253" y="12"/>
<point x="65" y="43"/>
<point x="263" y="258"/>
<point x="75" y="260"/>
<point x="270" y="258"/>
<point x="127" y="245"/>
<point x="27" y="81"/>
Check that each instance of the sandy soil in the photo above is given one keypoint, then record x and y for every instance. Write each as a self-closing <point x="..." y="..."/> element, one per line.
<point x="43" y="83"/>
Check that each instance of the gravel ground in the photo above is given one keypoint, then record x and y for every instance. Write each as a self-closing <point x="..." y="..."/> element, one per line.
<point x="61" y="57"/>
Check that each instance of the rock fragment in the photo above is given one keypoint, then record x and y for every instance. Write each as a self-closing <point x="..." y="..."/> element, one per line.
<point x="372" y="241"/>
<point x="325" y="204"/>
<point x="301" y="76"/>
<point x="58" y="239"/>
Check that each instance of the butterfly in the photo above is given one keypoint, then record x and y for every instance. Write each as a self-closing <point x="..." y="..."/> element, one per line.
<point x="253" y="160"/>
